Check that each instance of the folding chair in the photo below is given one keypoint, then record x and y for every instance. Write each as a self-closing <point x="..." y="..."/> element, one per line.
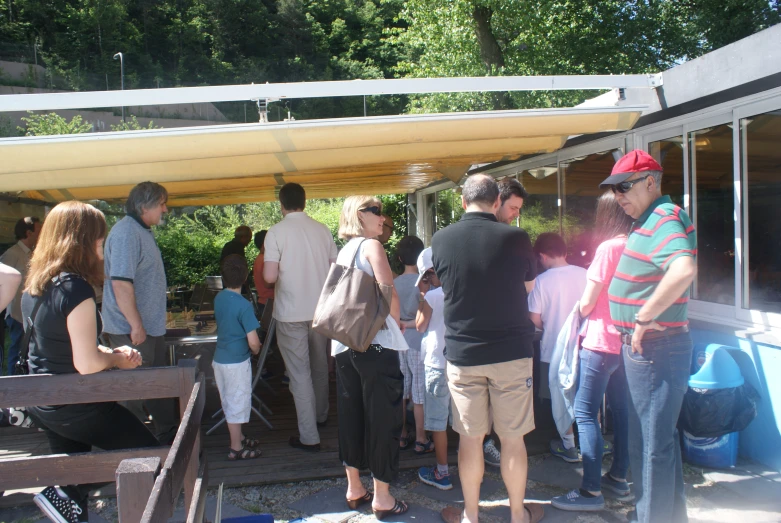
<point x="196" y="298"/>
<point x="270" y="329"/>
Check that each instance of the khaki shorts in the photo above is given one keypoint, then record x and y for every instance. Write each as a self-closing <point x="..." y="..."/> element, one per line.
<point x="502" y="391"/>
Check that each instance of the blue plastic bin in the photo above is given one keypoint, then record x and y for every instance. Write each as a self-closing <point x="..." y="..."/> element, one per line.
<point x="257" y="518"/>
<point x="718" y="371"/>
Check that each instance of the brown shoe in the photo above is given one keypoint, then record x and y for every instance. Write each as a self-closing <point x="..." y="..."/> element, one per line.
<point x="452" y="515"/>
<point x="398" y="509"/>
<point x="355" y="503"/>
<point x="535" y="511"/>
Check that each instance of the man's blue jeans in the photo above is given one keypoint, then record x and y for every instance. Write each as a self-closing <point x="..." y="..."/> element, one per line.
<point x="16" y="331"/>
<point x="601" y="372"/>
<point x="657" y="381"/>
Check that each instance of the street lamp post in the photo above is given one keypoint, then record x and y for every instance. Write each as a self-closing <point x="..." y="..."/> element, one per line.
<point x="122" y="76"/>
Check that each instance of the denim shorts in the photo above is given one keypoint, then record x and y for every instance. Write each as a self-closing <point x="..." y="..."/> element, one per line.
<point x="436" y="408"/>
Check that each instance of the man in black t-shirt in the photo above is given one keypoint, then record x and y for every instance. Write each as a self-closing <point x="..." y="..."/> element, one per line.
<point x="486" y="269"/>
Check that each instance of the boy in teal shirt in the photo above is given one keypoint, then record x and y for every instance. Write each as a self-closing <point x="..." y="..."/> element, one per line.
<point x="236" y="337"/>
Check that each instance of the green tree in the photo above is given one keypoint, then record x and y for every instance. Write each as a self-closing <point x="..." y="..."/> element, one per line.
<point x="52" y="123"/>
<point x="558" y="37"/>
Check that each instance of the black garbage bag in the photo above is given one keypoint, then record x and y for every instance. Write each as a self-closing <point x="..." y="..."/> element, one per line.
<point x="710" y="413"/>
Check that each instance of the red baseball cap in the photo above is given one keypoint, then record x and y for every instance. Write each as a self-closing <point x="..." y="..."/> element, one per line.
<point x="632" y="162"/>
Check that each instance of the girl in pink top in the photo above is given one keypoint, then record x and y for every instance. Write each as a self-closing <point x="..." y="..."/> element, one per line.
<point x="601" y="368"/>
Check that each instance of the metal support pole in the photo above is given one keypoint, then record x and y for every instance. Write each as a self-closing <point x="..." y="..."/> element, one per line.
<point x="122" y="77"/>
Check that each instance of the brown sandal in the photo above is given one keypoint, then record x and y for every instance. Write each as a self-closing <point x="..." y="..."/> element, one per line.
<point x="244" y="453"/>
<point x="355" y="503"/>
<point x="452" y="515"/>
<point x="398" y="509"/>
<point x="536" y="512"/>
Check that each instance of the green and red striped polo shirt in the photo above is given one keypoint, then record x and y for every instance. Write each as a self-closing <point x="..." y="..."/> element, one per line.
<point x="662" y="234"/>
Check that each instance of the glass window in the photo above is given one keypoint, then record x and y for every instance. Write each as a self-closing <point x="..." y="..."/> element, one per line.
<point x="580" y="186"/>
<point x="710" y="154"/>
<point x="669" y="154"/>
<point x="540" y="212"/>
<point x="429" y="215"/>
<point x="760" y="139"/>
<point x="448" y="207"/>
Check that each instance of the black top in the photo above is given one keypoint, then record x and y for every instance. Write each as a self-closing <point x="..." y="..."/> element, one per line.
<point x="483" y="265"/>
<point x="232" y="247"/>
<point x="50" y="346"/>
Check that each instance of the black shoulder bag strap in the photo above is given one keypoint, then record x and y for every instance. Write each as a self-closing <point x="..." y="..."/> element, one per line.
<point x="22" y="367"/>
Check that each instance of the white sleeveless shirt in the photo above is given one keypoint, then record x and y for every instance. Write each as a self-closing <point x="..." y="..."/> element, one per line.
<point x="390" y="337"/>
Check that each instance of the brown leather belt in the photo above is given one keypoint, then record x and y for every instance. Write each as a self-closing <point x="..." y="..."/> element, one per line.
<point x="626" y="339"/>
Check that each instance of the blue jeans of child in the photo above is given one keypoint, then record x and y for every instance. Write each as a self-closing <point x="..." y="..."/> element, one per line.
<point x="601" y="372"/>
<point x="657" y="381"/>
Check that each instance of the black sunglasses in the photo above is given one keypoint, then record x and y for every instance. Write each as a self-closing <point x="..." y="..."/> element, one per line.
<point x="625" y="187"/>
<point x="373" y="209"/>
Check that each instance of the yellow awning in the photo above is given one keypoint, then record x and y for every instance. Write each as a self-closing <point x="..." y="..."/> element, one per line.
<point x="248" y="162"/>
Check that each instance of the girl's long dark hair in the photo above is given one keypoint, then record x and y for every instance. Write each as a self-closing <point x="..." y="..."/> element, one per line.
<point x="611" y="219"/>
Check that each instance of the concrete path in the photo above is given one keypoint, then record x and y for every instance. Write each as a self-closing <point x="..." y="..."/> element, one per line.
<point x="747" y="493"/>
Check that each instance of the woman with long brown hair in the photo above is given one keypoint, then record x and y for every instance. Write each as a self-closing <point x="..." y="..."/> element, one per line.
<point x="59" y="298"/>
<point x="601" y="368"/>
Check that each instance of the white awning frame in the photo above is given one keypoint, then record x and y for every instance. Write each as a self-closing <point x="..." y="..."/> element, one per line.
<point x="274" y="92"/>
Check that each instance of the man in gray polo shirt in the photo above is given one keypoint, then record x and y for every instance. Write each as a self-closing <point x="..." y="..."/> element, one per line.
<point x="134" y="294"/>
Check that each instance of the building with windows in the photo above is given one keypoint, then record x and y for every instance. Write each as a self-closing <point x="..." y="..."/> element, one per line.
<point x="715" y="127"/>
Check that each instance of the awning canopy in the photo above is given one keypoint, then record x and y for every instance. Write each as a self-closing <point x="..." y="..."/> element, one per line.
<point x="249" y="162"/>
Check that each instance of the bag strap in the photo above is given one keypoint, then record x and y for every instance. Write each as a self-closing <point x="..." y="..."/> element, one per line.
<point x="24" y="350"/>
<point x="357" y="251"/>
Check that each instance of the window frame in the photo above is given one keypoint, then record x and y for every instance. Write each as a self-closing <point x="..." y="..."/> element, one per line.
<point x="690" y="173"/>
<point x="740" y="172"/>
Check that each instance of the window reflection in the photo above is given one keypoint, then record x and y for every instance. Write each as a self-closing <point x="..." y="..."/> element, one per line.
<point x="448" y="208"/>
<point x="540" y="212"/>
<point x="710" y="152"/>
<point x="760" y="139"/>
<point x="669" y="154"/>
<point x="580" y="186"/>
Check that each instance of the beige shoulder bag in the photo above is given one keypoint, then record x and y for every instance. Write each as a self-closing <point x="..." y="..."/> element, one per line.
<point x="353" y="306"/>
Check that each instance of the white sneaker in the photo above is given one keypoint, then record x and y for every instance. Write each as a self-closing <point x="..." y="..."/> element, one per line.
<point x="491" y="454"/>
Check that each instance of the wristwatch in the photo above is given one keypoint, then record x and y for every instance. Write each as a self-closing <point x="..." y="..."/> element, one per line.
<point x="642" y="323"/>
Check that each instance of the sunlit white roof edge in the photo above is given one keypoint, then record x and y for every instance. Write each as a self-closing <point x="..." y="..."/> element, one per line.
<point x="327" y="122"/>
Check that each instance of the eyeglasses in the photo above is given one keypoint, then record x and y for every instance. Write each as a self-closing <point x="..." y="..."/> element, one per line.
<point x="625" y="187"/>
<point x="373" y="209"/>
<point x="388" y="226"/>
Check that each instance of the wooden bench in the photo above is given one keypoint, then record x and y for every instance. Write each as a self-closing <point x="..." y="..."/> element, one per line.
<point x="133" y="469"/>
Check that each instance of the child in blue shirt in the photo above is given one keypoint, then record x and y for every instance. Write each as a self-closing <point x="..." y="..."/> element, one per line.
<point x="236" y="337"/>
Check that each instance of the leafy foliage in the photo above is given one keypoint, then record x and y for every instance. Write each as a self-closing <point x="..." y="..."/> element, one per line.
<point x="133" y="125"/>
<point x="52" y="123"/>
<point x="514" y="37"/>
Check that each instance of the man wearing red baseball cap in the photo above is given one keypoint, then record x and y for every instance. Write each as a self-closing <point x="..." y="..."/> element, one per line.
<point x="648" y="297"/>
